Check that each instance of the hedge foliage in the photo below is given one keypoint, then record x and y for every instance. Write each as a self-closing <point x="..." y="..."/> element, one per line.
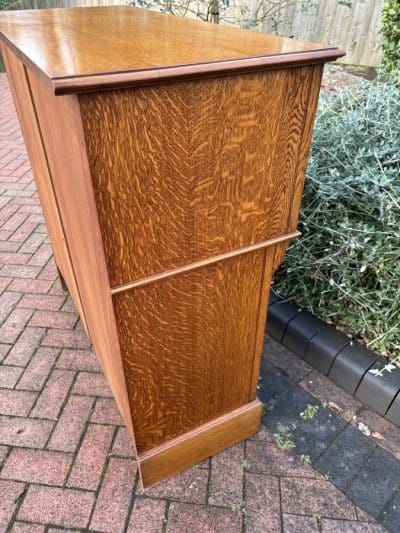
<point x="346" y="266"/>
<point x="391" y="34"/>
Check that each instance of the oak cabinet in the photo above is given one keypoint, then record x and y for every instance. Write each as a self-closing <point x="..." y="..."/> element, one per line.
<point x="169" y="157"/>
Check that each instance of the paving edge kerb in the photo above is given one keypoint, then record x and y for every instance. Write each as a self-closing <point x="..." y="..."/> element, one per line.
<point x="342" y="359"/>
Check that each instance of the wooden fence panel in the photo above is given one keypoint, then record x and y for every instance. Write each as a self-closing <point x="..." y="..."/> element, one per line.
<point x="351" y="24"/>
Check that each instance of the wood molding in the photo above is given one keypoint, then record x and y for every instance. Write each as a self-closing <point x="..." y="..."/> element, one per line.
<point x="204" y="262"/>
<point x="194" y="446"/>
<point x="103" y="82"/>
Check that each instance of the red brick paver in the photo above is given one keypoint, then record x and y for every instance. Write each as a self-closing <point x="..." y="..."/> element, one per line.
<point x="183" y="517"/>
<point x="53" y="395"/>
<point x="189" y="486"/>
<point x="147" y="515"/>
<point x="262" y="503"/>
<point x="315" y="496"/>
<point x="90" y="458"/>
<point x="63" y="507"/>
<point x="122" y="444"/>
<point x="10" y="492"/>
<point x="37" y="466"/>
<point x="38" y="370"/>
<point x="25" y="347"/>
<point x="13" y="402"/>
<point x="9" y="376"/>
<point x="226" y="480"/>
<point x="112" y="505"/>
<point x="71" y="424"/>
<point x="21" y="431"/>
<point x="65" y="456"/>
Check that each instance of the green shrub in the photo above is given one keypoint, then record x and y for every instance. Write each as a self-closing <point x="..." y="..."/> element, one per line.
<point x="7" y="4"/>
<point x="346" y="266"/>
<point x="391" y="34"/>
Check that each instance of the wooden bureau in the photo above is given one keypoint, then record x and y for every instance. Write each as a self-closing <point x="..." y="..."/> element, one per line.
<point x="169" y="157"/>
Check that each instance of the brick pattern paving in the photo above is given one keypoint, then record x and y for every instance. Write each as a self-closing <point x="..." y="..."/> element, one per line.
<point x="65" y="458"/>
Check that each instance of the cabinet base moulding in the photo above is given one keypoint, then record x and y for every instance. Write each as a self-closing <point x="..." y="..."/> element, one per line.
<point x="194" y="446"/>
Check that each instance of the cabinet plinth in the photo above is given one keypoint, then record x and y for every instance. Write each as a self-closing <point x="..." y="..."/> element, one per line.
<point x="170" y="179"/>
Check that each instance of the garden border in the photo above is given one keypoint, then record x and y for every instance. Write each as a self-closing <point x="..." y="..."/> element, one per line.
<point x="342" y="359"/>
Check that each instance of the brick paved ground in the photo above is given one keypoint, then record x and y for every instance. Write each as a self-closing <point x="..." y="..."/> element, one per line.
<point x="65" y="460"/>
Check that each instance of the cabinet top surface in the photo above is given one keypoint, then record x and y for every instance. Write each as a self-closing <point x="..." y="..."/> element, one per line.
<point x="91" y="47"/>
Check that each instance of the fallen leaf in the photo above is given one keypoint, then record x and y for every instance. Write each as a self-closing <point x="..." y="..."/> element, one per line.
<point x="364" y="429"/>
<point x="377" y="435"/>
<point x="335" y="407"/>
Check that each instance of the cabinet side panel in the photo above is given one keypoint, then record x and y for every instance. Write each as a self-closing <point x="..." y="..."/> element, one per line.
<point x="291" y="208"/>
<point x="188" y="346"/>
<point x="19" y="86"/>
<point x="305" y="144"/>
<point x="194" y="169"/>
<point x="61" y="130"/>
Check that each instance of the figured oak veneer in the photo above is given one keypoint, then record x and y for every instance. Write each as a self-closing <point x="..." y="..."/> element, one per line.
<point x="178" y="376"/>
<point x="152" y="157"/>
<point x="170" y="179"/>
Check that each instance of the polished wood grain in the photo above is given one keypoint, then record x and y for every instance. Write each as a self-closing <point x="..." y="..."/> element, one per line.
<point x="60" y="123"/>
<point x="292" y="209"/>
<point x="265" y="285"/>
<point x="198" y="168"/>
<point x="195" y="446"/>
<point x="289" y="205"/>
<point x="187" y="346"/>
<point x="205" y="262"/>
<point x="86" y="48"/>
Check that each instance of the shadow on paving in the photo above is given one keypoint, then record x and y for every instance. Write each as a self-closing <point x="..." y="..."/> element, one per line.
<point x="325" y="439"/>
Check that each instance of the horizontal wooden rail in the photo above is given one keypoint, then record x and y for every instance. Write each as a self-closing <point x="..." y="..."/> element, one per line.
<point x="203" y="262"/>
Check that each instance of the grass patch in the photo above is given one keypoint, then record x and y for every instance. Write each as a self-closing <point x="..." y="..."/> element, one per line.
<point x="309" y="412"/>
<point x="284" y="441"/>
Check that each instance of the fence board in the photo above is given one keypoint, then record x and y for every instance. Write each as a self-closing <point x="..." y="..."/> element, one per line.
<point x="351" y="24"/>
